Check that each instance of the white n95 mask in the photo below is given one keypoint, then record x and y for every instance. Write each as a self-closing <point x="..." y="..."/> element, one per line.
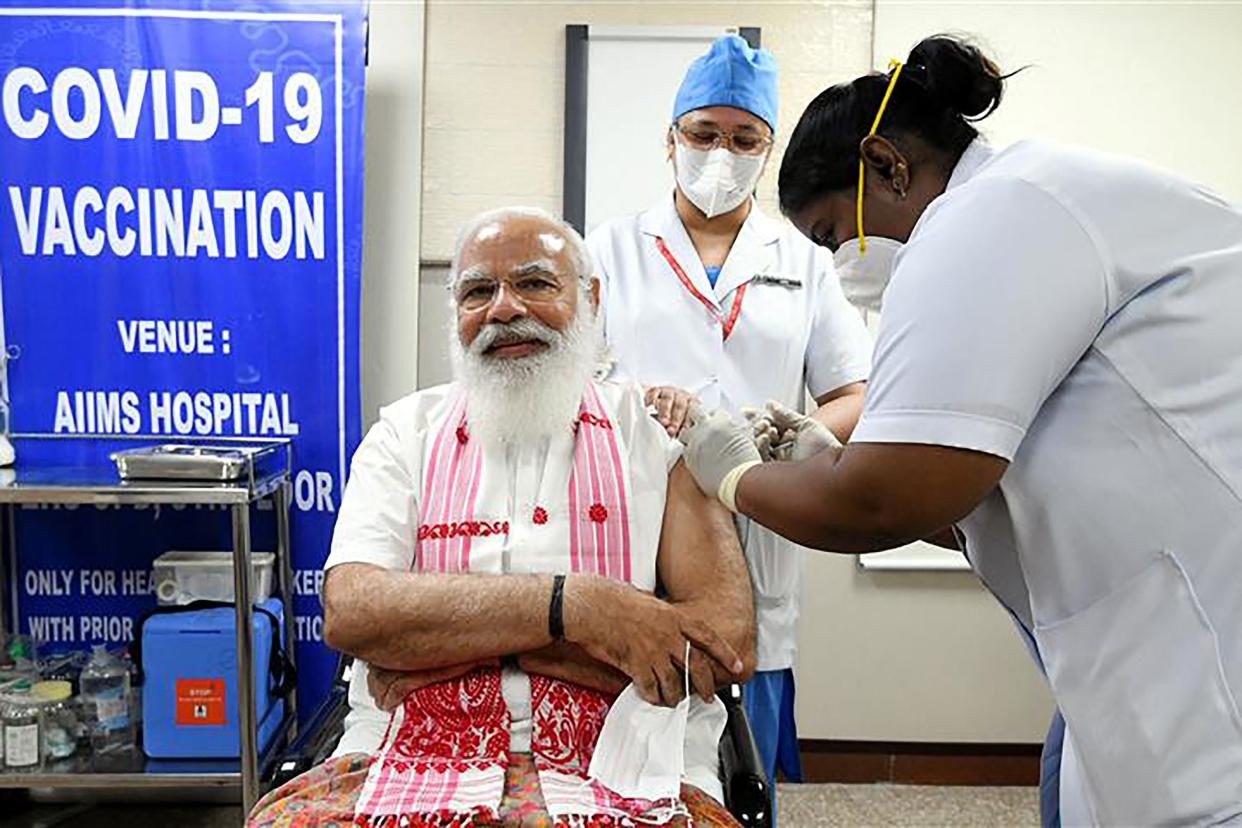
<point x="716" y="181"/>
<point x="864" y="275"/>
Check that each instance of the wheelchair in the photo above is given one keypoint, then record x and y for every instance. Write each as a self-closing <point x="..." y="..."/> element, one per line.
<point x="741" y="770"/>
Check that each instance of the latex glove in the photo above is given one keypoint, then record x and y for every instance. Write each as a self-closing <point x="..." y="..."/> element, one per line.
<point x="718" y="451"/>
<point x="799" y="436"/>
<point x="763" y="432"/>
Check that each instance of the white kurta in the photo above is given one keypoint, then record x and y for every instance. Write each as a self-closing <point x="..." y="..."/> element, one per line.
<point x="379" y="519"/>
<point x="794" y="333"/>
<point x="1079" y="315"/>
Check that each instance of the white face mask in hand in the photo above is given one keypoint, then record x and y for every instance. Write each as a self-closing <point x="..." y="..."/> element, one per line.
<point x="716" y="181"/>
<point x="864" y="276"/>
<point x="641" y="751"/>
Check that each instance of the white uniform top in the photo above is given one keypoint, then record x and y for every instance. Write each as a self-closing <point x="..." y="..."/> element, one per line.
<point x="1081" y="316"/>
<point x="794" y="332"/>
<point x="378" y="523"/>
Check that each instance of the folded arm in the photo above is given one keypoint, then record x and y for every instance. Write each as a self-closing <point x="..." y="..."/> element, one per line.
<point x="425" y="621"/>
<point x="569" y="662"/>
<point x="559" y="660"/>
<point x="403" y="621"/>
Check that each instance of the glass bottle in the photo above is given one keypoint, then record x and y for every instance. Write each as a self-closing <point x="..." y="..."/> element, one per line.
<point x="60" y="719"/>
<point x="105" y="701"/>
<point x="21" y="720"/>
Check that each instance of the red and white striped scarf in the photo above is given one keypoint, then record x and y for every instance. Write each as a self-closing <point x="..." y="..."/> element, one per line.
<point x="445" y="763"/>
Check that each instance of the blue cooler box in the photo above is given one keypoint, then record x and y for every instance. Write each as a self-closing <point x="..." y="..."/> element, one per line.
<point x="189" y="693"/>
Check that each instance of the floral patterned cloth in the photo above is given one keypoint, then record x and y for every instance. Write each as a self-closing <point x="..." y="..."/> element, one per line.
<point x="325" y="796"/>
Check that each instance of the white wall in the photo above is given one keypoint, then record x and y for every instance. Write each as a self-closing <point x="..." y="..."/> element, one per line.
<point x="1156" y="81"/>
<point x="911" y="657"/>
<point x="392" y="204"/>
<point x="435" y="321"/>
<point x="496" y="90"/>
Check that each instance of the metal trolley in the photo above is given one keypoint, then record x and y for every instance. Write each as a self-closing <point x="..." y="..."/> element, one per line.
<point x="265" y="474"/>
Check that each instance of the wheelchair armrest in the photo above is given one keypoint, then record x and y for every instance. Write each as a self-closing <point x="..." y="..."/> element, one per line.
<point x="745" y="786"/>
<point x="316" y="739"/>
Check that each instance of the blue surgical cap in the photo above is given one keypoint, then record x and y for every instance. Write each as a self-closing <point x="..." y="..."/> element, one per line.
<point x="730" y="74"/>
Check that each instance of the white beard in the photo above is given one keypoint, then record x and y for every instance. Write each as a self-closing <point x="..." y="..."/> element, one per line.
<point x="525" y="400"/>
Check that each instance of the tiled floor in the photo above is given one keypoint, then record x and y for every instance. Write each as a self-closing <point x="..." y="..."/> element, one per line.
<point x="799" y="806"/>
<point x="906" y="806"/>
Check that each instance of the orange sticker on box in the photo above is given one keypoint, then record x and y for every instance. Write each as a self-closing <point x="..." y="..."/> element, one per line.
<point x="200" y="701"/>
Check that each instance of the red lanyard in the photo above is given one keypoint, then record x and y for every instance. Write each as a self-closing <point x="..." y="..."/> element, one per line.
<point x="739" y="294"/>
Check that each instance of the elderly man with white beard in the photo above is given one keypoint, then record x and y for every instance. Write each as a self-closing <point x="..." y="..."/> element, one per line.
<point x="495" y="570"/>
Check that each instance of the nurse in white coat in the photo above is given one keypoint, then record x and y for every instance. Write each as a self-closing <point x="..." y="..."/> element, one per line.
<point x="1057" y="379"/>
<point x="703" y="292"/>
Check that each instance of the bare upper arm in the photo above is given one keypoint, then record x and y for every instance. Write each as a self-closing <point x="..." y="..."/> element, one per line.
<point x="702" y="568"/>
<point x="699" y="549"/>
<point x="908" y="491"/>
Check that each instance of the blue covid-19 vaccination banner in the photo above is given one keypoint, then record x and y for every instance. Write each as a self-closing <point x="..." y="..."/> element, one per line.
<point x="180" y="250"/>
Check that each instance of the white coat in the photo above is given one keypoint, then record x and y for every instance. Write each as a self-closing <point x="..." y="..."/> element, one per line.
<point x="793" y="332"/>
<point x="1078" y="315"/>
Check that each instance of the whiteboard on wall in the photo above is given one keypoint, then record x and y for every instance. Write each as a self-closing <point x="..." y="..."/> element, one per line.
<point x="915" y="557"/>
<point x="620" y="82"/>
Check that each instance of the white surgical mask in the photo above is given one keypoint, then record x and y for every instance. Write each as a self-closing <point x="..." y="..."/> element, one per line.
<point x="864" y="275"/>
<point x="641" y="751"/>
<point x="716" y="181"/>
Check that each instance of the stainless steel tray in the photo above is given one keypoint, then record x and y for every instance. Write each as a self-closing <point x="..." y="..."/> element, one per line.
<point x="173" y="461"/>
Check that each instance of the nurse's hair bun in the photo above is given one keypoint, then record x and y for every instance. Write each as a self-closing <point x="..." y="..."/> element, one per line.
<point x="956" y="74"/>
<point x="945" y="86"/>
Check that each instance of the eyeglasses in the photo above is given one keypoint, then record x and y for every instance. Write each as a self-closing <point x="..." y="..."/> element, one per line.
<point x="706" y="138"/>
<point x="476" y="293"/>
